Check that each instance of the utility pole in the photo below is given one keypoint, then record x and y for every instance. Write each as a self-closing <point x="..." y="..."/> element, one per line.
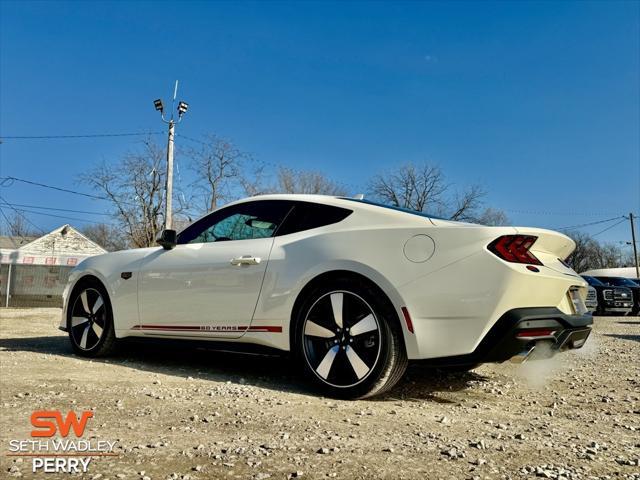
<point x="635" y="248"/>
<point x="182" y="108"/>
<point x="168" y="215"/>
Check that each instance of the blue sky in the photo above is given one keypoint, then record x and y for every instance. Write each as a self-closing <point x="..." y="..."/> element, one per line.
<point x="539" y="102"/>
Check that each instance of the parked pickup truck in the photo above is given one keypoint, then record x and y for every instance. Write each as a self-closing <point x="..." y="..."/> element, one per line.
<point x="611" y="300"/>
<point x="625" y="282"/>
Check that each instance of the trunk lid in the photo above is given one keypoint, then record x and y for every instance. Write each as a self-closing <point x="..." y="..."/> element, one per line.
<point x="551" y="248"/>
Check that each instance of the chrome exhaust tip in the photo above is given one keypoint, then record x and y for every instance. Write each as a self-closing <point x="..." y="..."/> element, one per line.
<point x="523" y="355"/>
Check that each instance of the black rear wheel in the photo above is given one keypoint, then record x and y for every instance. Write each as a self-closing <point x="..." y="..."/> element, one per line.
<point x="348" y="339"/>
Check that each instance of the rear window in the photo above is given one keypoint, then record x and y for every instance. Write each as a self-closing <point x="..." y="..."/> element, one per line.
<point x="306" y="216"/>
<point x="389" y="207"/>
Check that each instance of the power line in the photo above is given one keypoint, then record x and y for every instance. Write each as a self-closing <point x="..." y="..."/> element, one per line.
<point x="8" y="181"/>
<point x="57" y="209"/>
<point x="23" y="216"/>
<point x="22" y="211"/>
<point x="193" y="139"/>
<point x="589" y="224"/>
<point x="92" y="135"/>
<point x="609" y="227"/>
<point x="6" y="219"/>
<point x="568" y="214"/>
<point x="52" y="215"/>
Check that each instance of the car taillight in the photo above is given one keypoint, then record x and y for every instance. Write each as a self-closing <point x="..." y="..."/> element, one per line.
<point x="515" y="248"/>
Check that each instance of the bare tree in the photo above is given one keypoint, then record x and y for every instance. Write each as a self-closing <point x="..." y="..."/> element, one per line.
<point x="467" y="204"/>
<point x="17" y="226"/>
<point x="591" y="254"/>
<point x="610" y="256"/>
<point x="253" y="180"/>
<point x="411" y="186"/>
<point x="582" y="257"/>
<point x="135" y="188"/>
<point x="289" y="180"/>
<point x="492" y="217"/>
<point x="107" y="236"/>
<point x="218" y="165"/>
<point x="424" y="188"/>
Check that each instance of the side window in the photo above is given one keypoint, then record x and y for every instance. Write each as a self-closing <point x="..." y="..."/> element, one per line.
<point x="306" y="216"/>
<point x="258" y="219"/>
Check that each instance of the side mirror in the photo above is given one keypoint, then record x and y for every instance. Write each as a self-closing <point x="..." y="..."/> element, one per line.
<point x="168" y="239"/>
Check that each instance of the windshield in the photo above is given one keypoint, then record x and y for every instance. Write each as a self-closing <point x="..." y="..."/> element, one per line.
<point x="397" y="209"/>
<point x="594" y="282"/>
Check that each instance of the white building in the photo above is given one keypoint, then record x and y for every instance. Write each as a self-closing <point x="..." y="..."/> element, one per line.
<point x="35" y="270"/>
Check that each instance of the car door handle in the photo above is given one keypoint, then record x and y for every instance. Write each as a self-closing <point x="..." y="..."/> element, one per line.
<point x="245" y="260"/>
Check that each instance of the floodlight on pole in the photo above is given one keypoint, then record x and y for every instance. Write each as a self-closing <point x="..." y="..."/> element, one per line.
<point x="158" y="104"/>
<point x="182" y="108"/>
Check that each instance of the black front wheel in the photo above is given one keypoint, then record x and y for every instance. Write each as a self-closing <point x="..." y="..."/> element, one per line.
<point x="90" y="320"/>
<point x="348" y="339"/>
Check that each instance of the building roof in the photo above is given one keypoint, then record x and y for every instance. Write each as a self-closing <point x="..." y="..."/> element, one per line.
<point x="64" y="240"/>
<point x="63" y="246"/>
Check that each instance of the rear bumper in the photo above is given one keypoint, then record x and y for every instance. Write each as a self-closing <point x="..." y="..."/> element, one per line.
<point x="507" y="338"/>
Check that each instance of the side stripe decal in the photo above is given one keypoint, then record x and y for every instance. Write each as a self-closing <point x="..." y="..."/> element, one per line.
<point x="210" y="328"/>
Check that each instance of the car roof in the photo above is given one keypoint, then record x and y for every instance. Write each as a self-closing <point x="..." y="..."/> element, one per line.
<point x="341" y="201"/>
<point x="290" y="196"/>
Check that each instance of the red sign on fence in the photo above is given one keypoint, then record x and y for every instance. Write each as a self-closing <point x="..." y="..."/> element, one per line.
<point x="27" y="259"/>
<point x="72" y="261"/>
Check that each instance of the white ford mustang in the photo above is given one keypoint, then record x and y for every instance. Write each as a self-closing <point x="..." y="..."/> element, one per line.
<point x="353" y="289"/>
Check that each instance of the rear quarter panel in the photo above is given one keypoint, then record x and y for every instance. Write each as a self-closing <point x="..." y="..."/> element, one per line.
<point x="454" y="297"/>
<point x="376" y="251"/>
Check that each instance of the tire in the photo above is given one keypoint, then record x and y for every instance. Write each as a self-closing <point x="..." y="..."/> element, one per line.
<point x="90" y="320"/>
<point x="347" y="339"/>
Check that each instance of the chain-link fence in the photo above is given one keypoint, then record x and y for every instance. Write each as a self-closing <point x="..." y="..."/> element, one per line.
<point x="32" y="285"/>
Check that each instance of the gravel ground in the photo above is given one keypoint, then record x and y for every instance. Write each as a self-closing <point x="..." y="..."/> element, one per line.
<point x="186" y="413"/>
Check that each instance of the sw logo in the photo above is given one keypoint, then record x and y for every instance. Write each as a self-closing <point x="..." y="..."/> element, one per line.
<point x="68" y="452"/>
<point x="48" y="422"/>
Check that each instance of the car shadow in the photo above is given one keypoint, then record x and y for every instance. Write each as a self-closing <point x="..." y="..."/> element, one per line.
<point x="634" y="338"/>
<point x="273" y="372"/>
<point x="629" y="322"/>
<point x="422" y="382"/>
